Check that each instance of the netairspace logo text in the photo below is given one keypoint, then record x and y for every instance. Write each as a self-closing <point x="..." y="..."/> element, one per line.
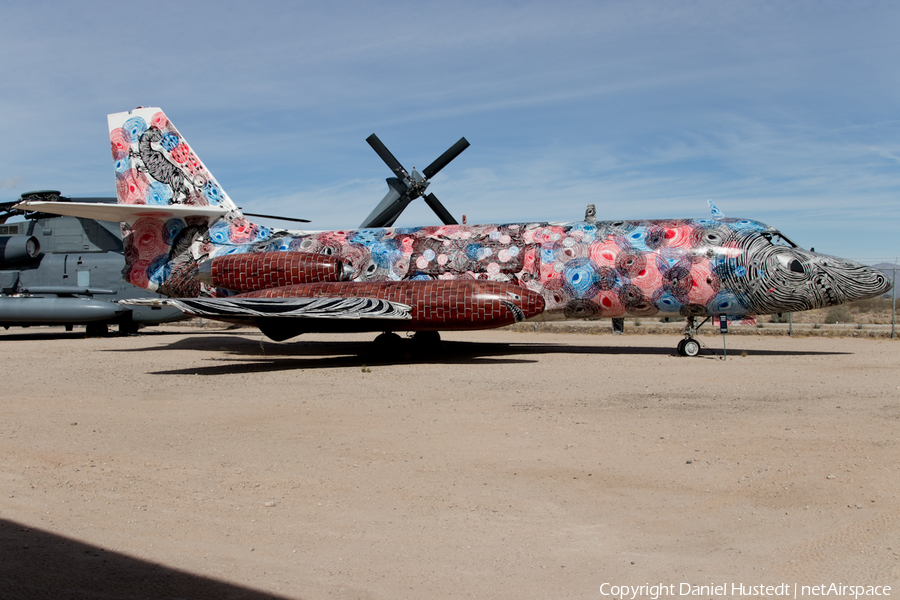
<point x="736" y="590"/>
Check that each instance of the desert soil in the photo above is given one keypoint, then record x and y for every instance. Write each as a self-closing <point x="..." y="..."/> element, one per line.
<point x="198" y="463"/>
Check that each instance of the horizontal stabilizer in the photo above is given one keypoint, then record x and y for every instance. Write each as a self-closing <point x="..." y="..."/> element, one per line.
<point x="121" y="212"/>
<point x="306" y="308"/>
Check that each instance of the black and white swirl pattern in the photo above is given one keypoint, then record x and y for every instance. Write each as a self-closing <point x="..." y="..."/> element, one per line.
<point x="310" y="308"/>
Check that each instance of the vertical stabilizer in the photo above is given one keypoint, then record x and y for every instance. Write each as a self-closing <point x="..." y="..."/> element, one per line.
<point x="154" y="164"/>
<point x="155" y="167"/>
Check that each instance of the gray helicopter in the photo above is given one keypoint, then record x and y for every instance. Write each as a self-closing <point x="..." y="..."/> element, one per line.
<point x="57" y="270"/>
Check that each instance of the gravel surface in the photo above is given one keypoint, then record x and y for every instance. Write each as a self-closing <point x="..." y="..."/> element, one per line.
<point x="187" y="463"/>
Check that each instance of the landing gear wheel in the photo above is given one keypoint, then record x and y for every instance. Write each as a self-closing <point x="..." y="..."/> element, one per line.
<point x="427" y="337"/>
<point x="690" y="347"/>
<point x="96" y="329"/>
<point x="388" y="342"/>
<point x="426" y="343"/>
<point x="681" y="347"/>
<point x="128" y="327"/>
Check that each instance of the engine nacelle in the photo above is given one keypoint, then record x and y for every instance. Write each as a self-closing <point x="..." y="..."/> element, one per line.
<point x="265" y="270"/>
<point x="18" y="248"/>
<point x="434" y="304"/>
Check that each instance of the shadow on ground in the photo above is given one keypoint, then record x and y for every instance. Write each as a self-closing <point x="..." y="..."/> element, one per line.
<point x="236" y="353"/>
<point x="36" y="564"/>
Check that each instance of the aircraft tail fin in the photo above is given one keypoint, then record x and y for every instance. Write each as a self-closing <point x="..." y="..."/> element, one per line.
<point x="182" y="212"/>
<point x="155" y="166"/>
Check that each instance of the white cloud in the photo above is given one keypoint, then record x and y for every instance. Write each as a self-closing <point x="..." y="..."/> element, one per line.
<point x="11" y="183"/>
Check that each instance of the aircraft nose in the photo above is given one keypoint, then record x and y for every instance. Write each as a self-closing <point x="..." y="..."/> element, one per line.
<point x="882" y="284"/>
<point x="852" y="280"/>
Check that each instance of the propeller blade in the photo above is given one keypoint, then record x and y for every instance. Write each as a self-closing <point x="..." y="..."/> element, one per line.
<point x="388" y="158"/>
<point x="441" y="161"/>
<point x="7" y="209"/>
<point x="438" y="208"/>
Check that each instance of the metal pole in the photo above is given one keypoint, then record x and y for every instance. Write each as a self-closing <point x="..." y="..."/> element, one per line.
<point x="894" y="300"/>
<point x="723" y="327"/>
<point x="790" y="324"/>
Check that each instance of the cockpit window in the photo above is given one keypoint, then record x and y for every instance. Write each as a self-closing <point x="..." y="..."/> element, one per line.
<point x="777" y="239"/>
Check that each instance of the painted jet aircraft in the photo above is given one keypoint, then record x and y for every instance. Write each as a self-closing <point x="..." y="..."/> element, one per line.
<point x="185" y="238"/>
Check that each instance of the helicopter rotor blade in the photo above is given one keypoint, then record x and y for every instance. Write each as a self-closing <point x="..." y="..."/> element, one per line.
<point x="405" y="187"/>
<point x="444" y="159"/>
<point x="246" y="214"/>
<point x="438" y="208"/>
<point x="388" y="158"/>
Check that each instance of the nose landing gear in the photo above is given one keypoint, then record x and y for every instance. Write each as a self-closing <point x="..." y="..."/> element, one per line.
<point x="689" y="346"/>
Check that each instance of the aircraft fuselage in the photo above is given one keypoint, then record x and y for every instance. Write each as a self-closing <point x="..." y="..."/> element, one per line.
<point x="703" y="267"/>
<point x="184" y="237"/>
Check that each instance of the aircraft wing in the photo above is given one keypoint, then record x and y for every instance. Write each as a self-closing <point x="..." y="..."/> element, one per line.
<point x="344" y="306"/>
<point x="310" y="308"/>
<point x="119" y="212"/>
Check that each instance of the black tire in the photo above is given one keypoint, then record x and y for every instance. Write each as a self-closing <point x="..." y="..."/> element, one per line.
<point x="691" y="347"/>
<point x="427" y="338"/>
<point x="96" y="330"/>
<point x="388" y="341"/>
<point x="426" y="343"/>
<point x="680" y="348"/>
<point x="128" y="327"/>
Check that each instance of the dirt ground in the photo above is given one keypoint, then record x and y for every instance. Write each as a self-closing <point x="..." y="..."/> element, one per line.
<point x="198" y="463"/>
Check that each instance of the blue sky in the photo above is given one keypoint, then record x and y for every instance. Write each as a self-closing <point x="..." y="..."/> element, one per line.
<point x="784" y="112"/>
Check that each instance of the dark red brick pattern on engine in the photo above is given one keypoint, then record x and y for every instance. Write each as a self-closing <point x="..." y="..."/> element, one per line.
<point x="264" y="270"/>
<point x="435" y="304"/>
